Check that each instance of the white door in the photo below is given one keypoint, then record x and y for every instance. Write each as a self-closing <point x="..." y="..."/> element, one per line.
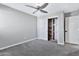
<point x="74" y="29"/>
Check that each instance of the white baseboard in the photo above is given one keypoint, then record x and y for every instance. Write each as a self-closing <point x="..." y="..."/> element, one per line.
<point x="17" y="44"/>
<point x="75" y="43"/>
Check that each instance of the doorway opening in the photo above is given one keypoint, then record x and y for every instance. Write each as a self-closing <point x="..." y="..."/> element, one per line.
<point x="52" y="29"/>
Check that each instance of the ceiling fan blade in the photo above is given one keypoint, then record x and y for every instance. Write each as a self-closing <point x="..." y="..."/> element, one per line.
<point x="43" y="6"/>
<point x="31" y="6"/>
<point x="35" y="11"/>
<point x="43" y="11"/>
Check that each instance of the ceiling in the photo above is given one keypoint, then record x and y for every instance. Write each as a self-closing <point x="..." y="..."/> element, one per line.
<point x="51" y="8"/>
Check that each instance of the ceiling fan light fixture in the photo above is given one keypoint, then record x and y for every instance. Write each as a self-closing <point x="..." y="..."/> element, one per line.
<point x="39" y="7"/>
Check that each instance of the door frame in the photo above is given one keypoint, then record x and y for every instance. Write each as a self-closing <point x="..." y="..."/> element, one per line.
<point x="53" y="23"/>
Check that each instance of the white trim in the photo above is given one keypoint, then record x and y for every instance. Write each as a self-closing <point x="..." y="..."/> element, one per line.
<point x="73" y="43"/>
<point x="18" y="43"/>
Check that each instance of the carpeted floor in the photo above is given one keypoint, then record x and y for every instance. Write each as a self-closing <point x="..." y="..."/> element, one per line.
<point x="76" y="53"/>
<point x="39" y="48"/>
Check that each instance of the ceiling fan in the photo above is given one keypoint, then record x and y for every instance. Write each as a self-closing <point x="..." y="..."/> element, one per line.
<point x="39" y="8"/>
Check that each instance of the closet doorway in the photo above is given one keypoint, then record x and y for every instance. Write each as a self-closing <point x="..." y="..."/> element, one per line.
<point x="52" y="29"/>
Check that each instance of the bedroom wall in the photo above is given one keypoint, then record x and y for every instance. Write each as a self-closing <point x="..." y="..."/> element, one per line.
<point x="42" y="27"/>
<point x="16" y="26"/>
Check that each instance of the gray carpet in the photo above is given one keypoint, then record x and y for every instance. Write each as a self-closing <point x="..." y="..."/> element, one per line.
<point x="74" y="53"/>
<point x="38" y="48"/>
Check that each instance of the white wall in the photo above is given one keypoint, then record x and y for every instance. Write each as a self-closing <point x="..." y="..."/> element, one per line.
<point x="73" y="30"/>
<point x="43" y="27"/>
<point x="15" y="26"/>
<point x="60" y="28"/>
